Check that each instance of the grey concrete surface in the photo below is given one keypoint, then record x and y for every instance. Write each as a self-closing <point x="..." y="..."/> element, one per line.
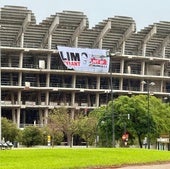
<point x="151" y="166"/>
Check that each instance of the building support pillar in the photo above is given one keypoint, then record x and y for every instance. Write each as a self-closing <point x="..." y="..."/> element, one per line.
<point x="121" y="84"/>
<point x="72" y="98"/>
<point x="97" y="99"/>
<point x="122" y="66"/>
<point x="123" y="48"/>
<point x="14" y="116"/>
<point x="19" y="97"/>
<point x="45" y="116"/>
<point x="41" y="117"/>
<point x="18" y="117"/>
<point x="98" y="82"/>
<point x="162" y="86"/>
<point x="47" y="80"/>
<point x="162" y="68"/>
<point x="49" y="61"/>
<point x="143" y="68"/>
<point x="47" y="98"/>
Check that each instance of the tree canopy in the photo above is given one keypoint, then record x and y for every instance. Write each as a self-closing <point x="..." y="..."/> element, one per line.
<point x="146" y="116"/>
<point x="9" y="130"/>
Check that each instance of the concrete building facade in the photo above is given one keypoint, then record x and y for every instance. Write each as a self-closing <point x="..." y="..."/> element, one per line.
<point x="34" y="80"/>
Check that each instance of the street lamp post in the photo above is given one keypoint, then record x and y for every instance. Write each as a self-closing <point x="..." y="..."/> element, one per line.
<point x="102" y="121"/>
<point x="0" y="95"/>
<point x="148" y="109"/>
<point x="1" y="29"/>
<point x="113" y="115"/>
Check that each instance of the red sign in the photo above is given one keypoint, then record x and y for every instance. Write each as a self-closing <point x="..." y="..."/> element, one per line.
<point x="125" y="137"/>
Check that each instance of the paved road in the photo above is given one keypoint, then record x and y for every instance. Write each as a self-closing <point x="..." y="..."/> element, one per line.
<point x="152" y="166"/>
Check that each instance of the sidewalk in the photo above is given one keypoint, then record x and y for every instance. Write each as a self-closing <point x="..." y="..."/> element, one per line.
<point x="150" y="166"/>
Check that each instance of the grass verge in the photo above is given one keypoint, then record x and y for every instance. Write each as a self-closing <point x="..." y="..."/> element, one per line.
<point x="77" y="158"/>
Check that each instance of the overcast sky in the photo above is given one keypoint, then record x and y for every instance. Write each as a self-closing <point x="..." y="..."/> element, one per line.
<point x="144" y="12"/>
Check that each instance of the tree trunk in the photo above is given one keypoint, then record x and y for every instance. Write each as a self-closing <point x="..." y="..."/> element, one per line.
<point x="69" y="140"/>
<point x="140" y="141"/>
<point x="87" y="144"/>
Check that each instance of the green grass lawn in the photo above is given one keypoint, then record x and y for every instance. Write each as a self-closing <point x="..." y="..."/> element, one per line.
<point x="76" y="158"/>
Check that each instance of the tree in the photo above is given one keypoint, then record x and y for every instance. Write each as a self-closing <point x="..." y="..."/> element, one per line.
<point x="60" y="120"/>
<point x="141" y="122"/>
<point x="103" y="126"/>
<point x="160" y="115"/>
<point x="31" y="136"/>
<point x="87" y="128"/>
<point x="54" y="126"/>
<point x="9" y="130"/>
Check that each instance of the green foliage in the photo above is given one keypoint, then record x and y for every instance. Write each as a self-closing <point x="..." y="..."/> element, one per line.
<point x="32" y="136"/>
<point x="157" y="118"/>
<point x="78" y="158"/>
<point x="86" y="128"/>
<point x="60" y="122"/>
<point x="10" y="131"/>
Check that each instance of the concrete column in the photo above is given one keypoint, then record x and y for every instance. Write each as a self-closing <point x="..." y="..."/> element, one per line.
<point x="162" y="86"/>
<point x="162" y="68"/>
<point x="49" y="61"/>
<point x="24" y="118"/>
<point x="20" y="79"/>
<point x="97" y="99"/>
<point x="141" y="87"/>
<point x="10" y="79"/>
<point x="47" y="98"/>
<point x="14" y="116"/>
<point x="144" y="49"/>
<point x="163" y="52"/>
<point x="98" y="82"/>
<point x="10" y="62"/>
<point x="100" y="43"/>
<point x="73" y="98"/>
<point x="123" y="48"/>
<point x="45" y="116"/>
<point x="72" y="116"/>
<point x="39" y="98"/>
<point x="47" y="80"/>
<point x="22" y="40"/>
<point x="88" y="100"/>
<point x="18" y="117"/>
<point x="12" y="98"/>
<point x="49" y="41"/>
<point x="143" y="68"/>
<point x="76" y="42"/>
<point x="21" y="60"/>
<point x="19" y="97"/>
<point x="121" y="84"/>
<point x="38" y="80"/>
<point x="122" y="65"/>
<point x="41" y="117"/>
<point x="74" y="81"/>
<point x="20" y="66"/>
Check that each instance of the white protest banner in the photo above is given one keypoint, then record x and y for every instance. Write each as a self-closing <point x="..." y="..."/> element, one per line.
<point x="85" y="59"/>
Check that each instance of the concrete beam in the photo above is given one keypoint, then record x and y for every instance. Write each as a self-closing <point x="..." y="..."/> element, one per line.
<point x="50" y="31"/>
<point x="162" y="46"/>
<point x="146" y="39"/>
<point x="126" y="35"/>
<point x="150" y="34"/>
<point x="24" y="26"/>
<point x="78" y="31"/>
<point x="105" y="30"/>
